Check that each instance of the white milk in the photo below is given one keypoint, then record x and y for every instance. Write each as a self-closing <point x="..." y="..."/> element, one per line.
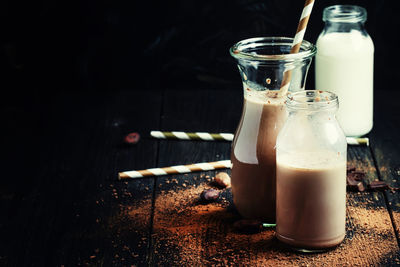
<point x="344" y="65"/>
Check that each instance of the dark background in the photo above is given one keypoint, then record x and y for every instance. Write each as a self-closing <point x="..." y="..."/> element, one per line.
<point x="60" y="61"/>
<point x="51" y="46"/>
<point x="53" y="53"/>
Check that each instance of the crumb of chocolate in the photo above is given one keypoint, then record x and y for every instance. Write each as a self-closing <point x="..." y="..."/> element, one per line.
<point x="209" y="195"/>
<point x="355" y="180"/>
<point x="378" y="185"/>
<point x="381" y="186"/>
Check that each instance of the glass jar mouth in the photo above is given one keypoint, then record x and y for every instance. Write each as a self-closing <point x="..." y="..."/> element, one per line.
<point x="344" y="13"/>
<point x="311" y="100"/>
<point x="271" y="49"/>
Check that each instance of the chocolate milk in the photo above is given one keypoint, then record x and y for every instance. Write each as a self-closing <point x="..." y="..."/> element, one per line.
<point x="311" y="199"/>
<point x="253" y="156"/>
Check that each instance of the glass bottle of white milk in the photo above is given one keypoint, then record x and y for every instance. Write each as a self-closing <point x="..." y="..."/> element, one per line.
<point x="344" y="65"/>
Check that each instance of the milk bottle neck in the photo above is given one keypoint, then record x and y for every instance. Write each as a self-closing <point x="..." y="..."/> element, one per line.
<point x="344" y="18"/>
<point x="336" y="26"/>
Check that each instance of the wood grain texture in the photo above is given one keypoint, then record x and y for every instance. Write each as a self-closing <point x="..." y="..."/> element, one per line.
<point x="71" y="210"/>
<point x="368" y="220"/>
<point x="75" y="213"/>
<point x="210" y="111"/>
<point x="119" y="234"/>
<point x="187" y="231"/>
<point x="385" y="147"/>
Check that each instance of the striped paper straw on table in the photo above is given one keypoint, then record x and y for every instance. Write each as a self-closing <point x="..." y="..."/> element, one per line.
<point x="192" y="136"/>
<point x="229" y="137"/>
<point x="204" y="166"/>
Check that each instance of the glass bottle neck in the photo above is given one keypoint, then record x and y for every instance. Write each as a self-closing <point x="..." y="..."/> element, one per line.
<point x="311" y="102"/>
<point x="344" y="18"/>
<point x="343" y="26"/>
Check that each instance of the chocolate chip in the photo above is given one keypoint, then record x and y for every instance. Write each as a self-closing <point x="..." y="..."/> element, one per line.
<point x="378" y="185"/>
<point x="351" y="181"/>
<point x="132" y="138"/>
<point x="356" y="186"/>
<point x="247" y="226"/>
<point x="355" y="180"/>
<point x="209" y="195"/>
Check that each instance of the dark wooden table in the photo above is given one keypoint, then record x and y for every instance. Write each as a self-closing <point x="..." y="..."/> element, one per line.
<point x="62" y="204"/>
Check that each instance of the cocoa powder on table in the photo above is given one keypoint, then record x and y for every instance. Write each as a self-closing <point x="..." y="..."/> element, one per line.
<point x="187" y="231"/>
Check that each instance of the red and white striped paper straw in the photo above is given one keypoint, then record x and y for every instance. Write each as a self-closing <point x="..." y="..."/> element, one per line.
<point x="204" y="166"/>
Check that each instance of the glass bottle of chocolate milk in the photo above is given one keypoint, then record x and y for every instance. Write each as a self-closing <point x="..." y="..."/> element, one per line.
<point x="311" y="152"/>
<point x="262" y="63"/>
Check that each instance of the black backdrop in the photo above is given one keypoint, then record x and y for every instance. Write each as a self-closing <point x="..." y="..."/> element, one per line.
<point x="49" y="46"/>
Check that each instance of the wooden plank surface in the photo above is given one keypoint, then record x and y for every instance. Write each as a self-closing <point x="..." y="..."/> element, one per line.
<point x="187" y="231"/>
<point x="386" y="147"/>
<point x="188" y="111"/>
<point x="76" y="213"/>
<point x="111" y="234"/>
<point x="21" y="126"/>
<point x="70" y="210"/>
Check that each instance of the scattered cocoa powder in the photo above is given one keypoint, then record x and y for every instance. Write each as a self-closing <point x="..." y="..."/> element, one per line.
<point x="249" y="226"/>
<point x="187" y="232"/>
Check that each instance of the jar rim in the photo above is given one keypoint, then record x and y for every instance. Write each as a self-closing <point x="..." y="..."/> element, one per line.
<point x="245" y="49"/>
<point x="311" y="100"/>
<point x="344" y="13"/>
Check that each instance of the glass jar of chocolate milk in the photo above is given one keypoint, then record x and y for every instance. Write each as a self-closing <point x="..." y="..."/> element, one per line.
<point x="262" y="63"/>
<point x="311" y="152"/>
